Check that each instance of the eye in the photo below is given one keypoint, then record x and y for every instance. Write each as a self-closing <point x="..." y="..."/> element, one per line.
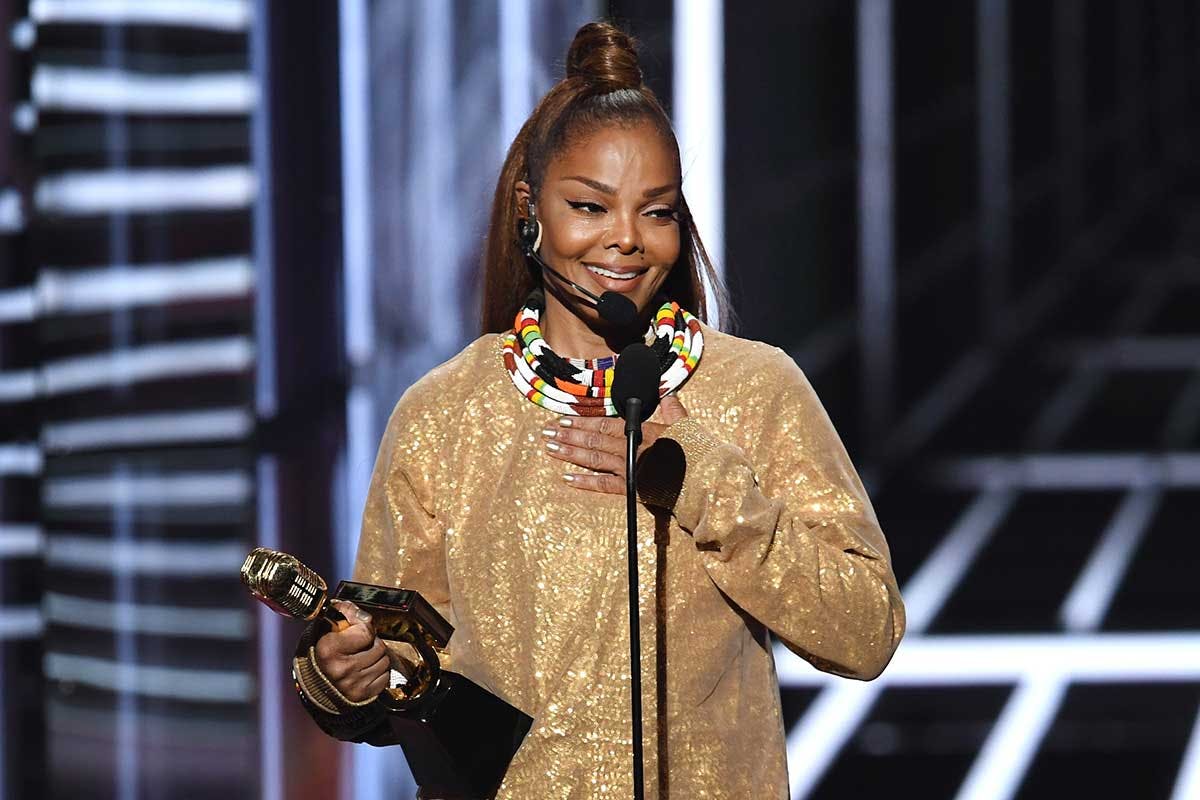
<point x="665" y="214"/>
<point x="585" y="206"/>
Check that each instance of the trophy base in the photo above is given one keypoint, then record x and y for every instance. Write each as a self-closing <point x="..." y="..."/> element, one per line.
<point x="458" y="739"/>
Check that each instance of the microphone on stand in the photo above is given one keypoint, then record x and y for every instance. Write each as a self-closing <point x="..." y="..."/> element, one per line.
<point x="635" y="394"/>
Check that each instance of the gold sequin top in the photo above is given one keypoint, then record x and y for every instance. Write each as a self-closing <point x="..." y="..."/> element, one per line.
<point x="770" y="530"/>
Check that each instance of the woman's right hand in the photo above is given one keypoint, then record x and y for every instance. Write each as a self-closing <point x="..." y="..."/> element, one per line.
<point x="354" y="659"/>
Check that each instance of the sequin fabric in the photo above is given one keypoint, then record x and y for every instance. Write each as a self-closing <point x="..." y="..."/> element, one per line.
<point x="771" y="530"/>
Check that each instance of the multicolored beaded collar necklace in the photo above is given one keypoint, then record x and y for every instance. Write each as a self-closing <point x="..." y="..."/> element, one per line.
<point x="581" y="387"/>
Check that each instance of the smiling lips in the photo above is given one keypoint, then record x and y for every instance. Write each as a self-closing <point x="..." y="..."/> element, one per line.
<point x="620" y="274"/>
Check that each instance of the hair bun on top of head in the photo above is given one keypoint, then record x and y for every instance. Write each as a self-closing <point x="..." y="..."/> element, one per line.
<point x="604" y="55"/>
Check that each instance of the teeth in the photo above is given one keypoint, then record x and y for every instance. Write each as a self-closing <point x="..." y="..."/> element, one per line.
<point x="620" y="276"/>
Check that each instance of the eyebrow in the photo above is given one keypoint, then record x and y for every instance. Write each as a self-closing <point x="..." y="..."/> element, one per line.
<point x="609" y="190"/>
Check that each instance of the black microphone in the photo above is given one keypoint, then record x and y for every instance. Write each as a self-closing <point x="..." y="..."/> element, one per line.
<point x="636" y="378"/>
<point x="613" y="307"/>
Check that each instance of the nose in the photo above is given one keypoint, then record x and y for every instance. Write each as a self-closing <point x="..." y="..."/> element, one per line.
<point x="625" y="235"/>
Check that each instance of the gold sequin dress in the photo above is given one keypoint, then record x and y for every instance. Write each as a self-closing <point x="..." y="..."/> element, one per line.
<point x="768" y="530"/>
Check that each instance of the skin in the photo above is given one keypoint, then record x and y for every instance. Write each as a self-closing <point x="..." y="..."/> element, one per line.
<point x="606" y="199"/>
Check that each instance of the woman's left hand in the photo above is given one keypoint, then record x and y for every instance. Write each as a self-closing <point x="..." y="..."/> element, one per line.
<point x="598" y="443"/>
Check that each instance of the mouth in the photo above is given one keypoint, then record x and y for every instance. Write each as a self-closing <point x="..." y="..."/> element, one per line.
<point x="619" y="279"/>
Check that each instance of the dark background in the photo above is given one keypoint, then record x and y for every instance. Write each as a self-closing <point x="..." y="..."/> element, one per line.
<point x="975" y="225"/>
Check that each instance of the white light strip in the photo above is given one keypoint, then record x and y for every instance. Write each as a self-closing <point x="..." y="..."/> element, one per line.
<point x="1010" y="747"/>
<point x="272" y="661"/>
<point x="983" y="659"/>
<point x="516" y="69"/>
<point x="108" y="288"/>
<point x="816" y="739"/>
<point x="1187" y="782"/>
<point x="146" y="619"/>
<point x="698" y="74"/>
<point x="116" y="91"/>
<point x="876" y="217"/>
<point x="357" y="220"/>
<point x="148" y="429"/>
<point x="151" y="362"/>
<point x="21" y="622"/>
<point x="18" y="386"/>
<point x="931" y="585"/>
<point x="20" y="540"/>
<point x="117" y="287"/>
<point x="1090" y="597"/>
<point x="361" y="443"/>
<point x="12" y="216"/>
<point x="153" y="556"/>
<point x="227" y="488"/>
<point x="20" y="459"/>
<point x="1058" y="471"/>
<point x="266" y="400"/>
<point x="200" y="685"/>
<point x="223" y="15"/>
<point x="18" y="305"/>
<point x="156" y="191"/>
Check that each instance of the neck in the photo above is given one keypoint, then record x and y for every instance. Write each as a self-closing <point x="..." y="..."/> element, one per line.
<point x="570" y="336"/>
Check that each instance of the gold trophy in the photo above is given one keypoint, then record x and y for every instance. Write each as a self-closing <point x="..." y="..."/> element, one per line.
<point x="458" y="737"/>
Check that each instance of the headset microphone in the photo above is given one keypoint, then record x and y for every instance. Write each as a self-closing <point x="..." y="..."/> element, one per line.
<point x="613" y="307"/>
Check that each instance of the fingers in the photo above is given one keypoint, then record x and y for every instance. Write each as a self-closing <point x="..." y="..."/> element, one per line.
<point x="586" y="448"/>
<point x="605" y="484"/>
<point x="353" y="673"/>
<point x="608" y="426"/>
<point x="366" y="683"/>
<point x="671" y="409"/>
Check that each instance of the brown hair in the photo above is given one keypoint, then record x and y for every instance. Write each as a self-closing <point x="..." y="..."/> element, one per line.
<point x="603" y="86"/>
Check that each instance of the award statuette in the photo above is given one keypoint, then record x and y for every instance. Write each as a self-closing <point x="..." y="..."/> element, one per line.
<point x="458" y="737"/>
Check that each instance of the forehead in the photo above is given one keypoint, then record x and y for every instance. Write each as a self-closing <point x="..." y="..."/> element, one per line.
<point x="632" y="158"/>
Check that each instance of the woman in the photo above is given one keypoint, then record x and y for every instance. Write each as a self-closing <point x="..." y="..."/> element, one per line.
<point x="498" y="490"/>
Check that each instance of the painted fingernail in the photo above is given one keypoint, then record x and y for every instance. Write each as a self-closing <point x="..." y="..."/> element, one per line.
<point x="362" y="616"/>
<point x="553" y="446"/>
<point x="549" y="433"/>
<point x="565" y="422"/>
<point x="569" y="478"/>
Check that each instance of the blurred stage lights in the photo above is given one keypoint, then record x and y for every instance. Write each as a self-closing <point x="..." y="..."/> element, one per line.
<point x="24" y="118"/>
<point x="87" y="89"/>
<point x="102" y="192"/>
<point x="12" y="214"/>
<point x="23" y="34"/>
<point x="224" y="15"/>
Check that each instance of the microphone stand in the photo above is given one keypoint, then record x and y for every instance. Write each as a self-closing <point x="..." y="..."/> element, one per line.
<point x="633" y="438"/>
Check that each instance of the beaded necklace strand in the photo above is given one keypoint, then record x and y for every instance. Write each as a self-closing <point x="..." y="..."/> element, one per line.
<point x="582" y="387"/>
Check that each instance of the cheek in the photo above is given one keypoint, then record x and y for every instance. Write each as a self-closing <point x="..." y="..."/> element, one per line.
<point x="662" y="246"/>
<point x="572" y="237"/>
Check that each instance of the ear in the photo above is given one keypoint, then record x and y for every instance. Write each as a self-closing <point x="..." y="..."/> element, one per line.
<point x="524" y="194"/>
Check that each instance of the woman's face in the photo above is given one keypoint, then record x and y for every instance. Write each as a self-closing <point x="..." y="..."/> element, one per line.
<point x="607" y="206"/>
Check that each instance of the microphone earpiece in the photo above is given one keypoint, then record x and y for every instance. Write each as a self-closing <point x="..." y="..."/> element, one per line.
<point x="529" y="232"/>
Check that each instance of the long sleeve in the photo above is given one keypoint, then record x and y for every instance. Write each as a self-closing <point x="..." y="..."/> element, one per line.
<point x="399" y="545"/>
<point x="795" y="542"/>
